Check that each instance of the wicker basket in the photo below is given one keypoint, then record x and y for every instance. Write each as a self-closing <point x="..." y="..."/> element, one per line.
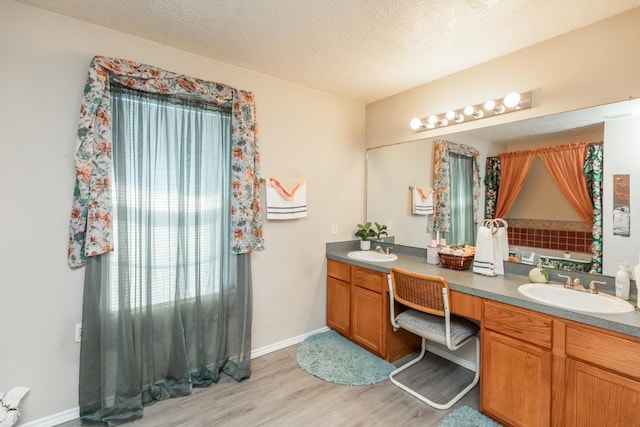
<point x="455" y="262"/>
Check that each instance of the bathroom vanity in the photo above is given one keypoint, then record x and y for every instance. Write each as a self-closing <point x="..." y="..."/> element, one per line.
<point x="540" y="365"/>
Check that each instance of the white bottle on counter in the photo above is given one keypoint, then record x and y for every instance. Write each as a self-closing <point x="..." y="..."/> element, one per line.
<point x="622" y="282"/>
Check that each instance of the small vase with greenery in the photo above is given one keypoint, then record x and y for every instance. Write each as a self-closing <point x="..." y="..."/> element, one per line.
<point x="366" y="233"/>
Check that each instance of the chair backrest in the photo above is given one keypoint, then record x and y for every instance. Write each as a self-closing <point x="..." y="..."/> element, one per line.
<point x="420" y="291"/>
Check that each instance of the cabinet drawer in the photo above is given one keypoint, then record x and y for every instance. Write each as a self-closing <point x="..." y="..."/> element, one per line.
<point x="518" y="323"/>
<point x="339" y="270"/>
<point x="368" y="279"/>
<point x="604" y="349"/>
<point x="466" y="305"/>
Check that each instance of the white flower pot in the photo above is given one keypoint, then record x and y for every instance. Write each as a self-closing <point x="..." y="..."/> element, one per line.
<point x="365" y="245"/>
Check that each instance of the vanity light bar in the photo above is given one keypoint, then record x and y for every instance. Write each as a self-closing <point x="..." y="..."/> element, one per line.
<point x="513" y="101"/>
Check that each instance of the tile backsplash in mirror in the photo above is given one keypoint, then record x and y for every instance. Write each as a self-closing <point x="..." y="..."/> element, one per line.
<point x="571" y="236"/>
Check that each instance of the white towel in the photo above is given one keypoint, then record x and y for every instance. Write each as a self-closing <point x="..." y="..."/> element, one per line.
<point x="503" y="237"/>
<point x="483" y="260"/>
<point x="286" y="198"/>
<point x="421" y="200"/>
<point x="498" y="263"/>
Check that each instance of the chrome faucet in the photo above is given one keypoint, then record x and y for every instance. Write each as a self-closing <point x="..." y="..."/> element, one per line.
<point x="575" y="284"/>
<point x="382" y="251"/>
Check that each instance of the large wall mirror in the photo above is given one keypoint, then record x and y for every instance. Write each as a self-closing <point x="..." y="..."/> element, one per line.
<point x="393" y="169"/>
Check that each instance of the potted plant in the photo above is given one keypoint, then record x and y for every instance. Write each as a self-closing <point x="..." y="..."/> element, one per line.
<point x="381" y="230"/>
<point x="365" y="233"/>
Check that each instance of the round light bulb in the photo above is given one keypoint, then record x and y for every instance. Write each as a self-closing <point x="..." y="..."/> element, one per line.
<point x="450" y="115"/>
<point x="499" y="109"/>
<point x="512" y="99"/>
<point x="478" y="114"/>
<point x="433" y="119"/>
<point x="459" y="118"/>
<point x="444" y="122"/>
<point x="416" y="123"/>
<point x="490" y="105"/>
<point x="468" y="110"/>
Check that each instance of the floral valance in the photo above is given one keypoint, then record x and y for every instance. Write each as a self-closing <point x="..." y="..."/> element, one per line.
<point x="90" y="231"/>
<point x="442" y="183"/>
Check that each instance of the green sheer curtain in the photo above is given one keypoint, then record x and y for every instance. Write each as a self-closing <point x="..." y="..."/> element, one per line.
<point x="461" y="198"/>
<point x="170" y="308"/>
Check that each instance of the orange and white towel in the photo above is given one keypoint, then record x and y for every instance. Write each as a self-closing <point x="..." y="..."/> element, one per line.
<point x="421" y="200"/>
<point x="286" y="198"/>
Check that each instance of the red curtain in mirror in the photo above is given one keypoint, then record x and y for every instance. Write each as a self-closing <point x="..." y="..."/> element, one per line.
<point x="514" y="169"/>
<point x="565" y="164"/>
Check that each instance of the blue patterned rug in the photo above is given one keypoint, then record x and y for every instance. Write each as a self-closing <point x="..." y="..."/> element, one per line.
<point x="333" y="358"/>
<point x="465" y="416"/>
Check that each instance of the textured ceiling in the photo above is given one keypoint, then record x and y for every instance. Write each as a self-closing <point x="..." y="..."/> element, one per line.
<point x="363" y="50"/>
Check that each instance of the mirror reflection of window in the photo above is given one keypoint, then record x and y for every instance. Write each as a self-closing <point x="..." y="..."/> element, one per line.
<point x="461" y="175"/>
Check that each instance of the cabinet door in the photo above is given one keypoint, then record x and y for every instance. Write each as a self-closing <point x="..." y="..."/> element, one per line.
<point x="516" y="380"/>
<point x="597" y="397"/>
<point x="367" y="328"/>
<point x="338" y="305"/>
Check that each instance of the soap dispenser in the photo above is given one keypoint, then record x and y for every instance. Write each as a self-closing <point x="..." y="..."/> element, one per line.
<point x="622" y="282"/>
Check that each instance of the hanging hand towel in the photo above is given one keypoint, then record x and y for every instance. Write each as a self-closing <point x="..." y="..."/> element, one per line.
<point x="503" y="238"/>
<point x="498" y="263"/>
<point x="483" y="260"/>
<point x="421" y="200"/>
<point x="286" y="198"/>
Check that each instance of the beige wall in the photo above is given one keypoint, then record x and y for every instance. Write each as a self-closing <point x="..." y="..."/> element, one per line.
<point x="44" y="64"/>
<point x="595" y="65"/>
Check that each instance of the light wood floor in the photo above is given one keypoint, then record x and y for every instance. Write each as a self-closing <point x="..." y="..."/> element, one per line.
<point x="281" y="394"/>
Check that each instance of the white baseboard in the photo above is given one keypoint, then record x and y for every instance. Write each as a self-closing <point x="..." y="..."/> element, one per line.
<point x="55" y="419"/>
<point x="283" y="344"/>
<point x="72" y="414"/>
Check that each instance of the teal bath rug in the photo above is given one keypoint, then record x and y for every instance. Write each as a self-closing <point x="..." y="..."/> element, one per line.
<point x="465" y="416"/>
<point x="333" y="358"/>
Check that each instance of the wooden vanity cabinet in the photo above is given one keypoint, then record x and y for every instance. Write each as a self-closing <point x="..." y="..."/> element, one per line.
<point x="358" y="308"/>
<point x="516" y="365"/>
<point x="339" y="297"/>
<point x="602" y="378"/>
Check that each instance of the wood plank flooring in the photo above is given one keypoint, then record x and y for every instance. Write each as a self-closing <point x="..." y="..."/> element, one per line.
<point x="281" y="394"/>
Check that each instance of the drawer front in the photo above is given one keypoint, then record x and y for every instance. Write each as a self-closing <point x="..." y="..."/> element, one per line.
<point x="339" y="270"/>
<point x="604" y="349"/>
<point x="369" y="279"/>
<point x="518" y="323"/>
<point x="466" y="305"/>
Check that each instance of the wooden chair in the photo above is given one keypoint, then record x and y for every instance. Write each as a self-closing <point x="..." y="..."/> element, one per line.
<point x="428" y="317"/>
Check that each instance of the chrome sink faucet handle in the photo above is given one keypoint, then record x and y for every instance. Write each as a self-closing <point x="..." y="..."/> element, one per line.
<point x="593" y="289"/>
<point x="388" y="251"/>
<point x="568" y="282"/>
<point x="379" y="249"/>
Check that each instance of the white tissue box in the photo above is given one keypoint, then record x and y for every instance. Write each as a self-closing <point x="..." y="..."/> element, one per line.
<point x="432" y="256"/>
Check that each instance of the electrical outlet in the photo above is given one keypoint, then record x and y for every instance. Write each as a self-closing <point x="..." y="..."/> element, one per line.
<point x="334" y="228"/>
<point x="78" y="332"/>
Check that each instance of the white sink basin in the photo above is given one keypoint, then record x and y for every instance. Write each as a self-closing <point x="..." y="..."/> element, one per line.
<point x="372" y="256"/>
<point x="558" y="296"/>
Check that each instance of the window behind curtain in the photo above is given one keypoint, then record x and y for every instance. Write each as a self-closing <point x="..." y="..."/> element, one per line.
<point x="171" y="220"/>
<point x="462" y="225"/>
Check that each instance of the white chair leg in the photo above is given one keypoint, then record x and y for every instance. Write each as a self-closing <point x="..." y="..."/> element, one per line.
<point x="431" y="403"/>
